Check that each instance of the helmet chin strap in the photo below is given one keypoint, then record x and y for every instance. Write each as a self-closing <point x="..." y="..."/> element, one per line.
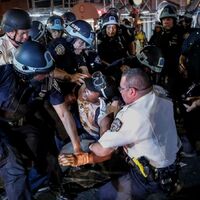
<point x="13" y="39"/>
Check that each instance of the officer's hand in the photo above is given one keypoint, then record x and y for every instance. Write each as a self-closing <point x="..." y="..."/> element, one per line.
<point x="75" y="160"/>
<point x="195" y="102"/>
<point x="78" y="78"/>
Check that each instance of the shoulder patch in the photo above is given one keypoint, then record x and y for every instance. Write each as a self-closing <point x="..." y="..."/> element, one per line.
<point x="60" y="50"/>
<point x="116" y="125"/>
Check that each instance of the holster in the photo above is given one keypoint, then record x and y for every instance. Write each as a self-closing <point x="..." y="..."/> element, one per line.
<point x="167" y="177"/>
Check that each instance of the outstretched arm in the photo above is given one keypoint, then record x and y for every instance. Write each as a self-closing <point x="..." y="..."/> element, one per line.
<point x="69" y="125"/>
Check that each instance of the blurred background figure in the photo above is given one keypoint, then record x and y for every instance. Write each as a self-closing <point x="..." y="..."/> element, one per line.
<point x="55" y="27"/>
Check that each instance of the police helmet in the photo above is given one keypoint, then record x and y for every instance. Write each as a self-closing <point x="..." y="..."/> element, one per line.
<point x="102" y="84"/>
<point x="55" y="22"/>
<point x="81" y="29"/>
<point x="15" y="19"/>
<point x="109" y="19"/>
<point x="113" y="11"/>
<point x="31" y="58"/>
<point x="151" y="57"/>
<point x="68" y="17"/>
<point x="168" y="11"/>
<point x="37" y="30"/>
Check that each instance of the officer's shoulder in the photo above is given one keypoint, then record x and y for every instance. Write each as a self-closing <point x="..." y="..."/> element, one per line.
<point x="161" y="92"/>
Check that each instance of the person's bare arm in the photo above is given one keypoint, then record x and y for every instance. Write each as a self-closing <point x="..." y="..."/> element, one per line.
<point x="69" y="125"/>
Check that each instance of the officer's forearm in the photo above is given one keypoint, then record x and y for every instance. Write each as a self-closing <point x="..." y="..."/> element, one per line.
<point x="99" y="159"/>
<point x="61" y="74"/>
<point x="98" y="150"/>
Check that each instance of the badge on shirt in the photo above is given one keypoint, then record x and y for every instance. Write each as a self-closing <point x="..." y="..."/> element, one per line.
<point x="116" y="125"/>
<point x="60" y="50"/>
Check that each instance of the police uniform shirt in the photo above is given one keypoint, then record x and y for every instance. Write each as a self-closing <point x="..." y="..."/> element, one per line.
<point x="14" y="93"/>
<point x="191" y="50"/>
<point x="145" y="128"/>
<point x="7" y="50"/>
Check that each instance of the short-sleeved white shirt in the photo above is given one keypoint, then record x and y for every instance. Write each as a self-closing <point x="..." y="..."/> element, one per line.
<point x="145" y="128"/>
<point x="7" y="50"/>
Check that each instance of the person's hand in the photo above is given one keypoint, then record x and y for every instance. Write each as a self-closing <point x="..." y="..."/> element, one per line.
<point x="75" y="160"/>
<point x="195" y="102"/>
<point x="78" y="78"/>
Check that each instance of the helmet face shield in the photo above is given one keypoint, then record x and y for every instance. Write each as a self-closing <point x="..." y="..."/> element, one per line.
<point x="35" y="70"/>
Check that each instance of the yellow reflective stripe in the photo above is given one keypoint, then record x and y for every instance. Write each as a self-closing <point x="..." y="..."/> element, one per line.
<point x="140" y="166"/>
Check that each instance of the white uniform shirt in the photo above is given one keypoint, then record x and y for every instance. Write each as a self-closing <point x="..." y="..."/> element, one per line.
<point x="145" y="128"/>
<point x="7" y="50"/>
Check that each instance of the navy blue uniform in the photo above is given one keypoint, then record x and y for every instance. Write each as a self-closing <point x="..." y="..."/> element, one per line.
<point x="191" y="50"/>
<point x="21" y="133"/>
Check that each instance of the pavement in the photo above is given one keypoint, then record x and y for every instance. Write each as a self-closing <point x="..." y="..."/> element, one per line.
<point x="189" y="186"/>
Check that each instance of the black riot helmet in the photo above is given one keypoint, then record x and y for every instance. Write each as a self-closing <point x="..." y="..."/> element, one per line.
<point x="82" y="30"/>
<point x="68" y="17"/>
<point x="168" y="11"/>
<point x="31" y="58"/>
<point x="37" y="30"/>
<point x="15" y="19"/>
<point x="151" y="57"/>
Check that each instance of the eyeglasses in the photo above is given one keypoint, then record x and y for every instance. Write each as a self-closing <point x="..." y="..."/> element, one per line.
<point x="121" y="89"/>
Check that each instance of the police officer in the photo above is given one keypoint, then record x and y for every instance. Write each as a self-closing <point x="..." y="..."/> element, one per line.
<point x="189" y="68"/>
<point x="16" y="24"/>
<point x="55" y="27"/>
<point x="170" y="43"/>
<point x="143" y="138"/>
<point x="68" y="53"/>
<point x="37" y="32"/>
<point x="82" y="38"/>
<point x="68" y="17"/>
<point x="24" y="85"/>
<point x="115" y="42"/>
<point x="155" y="38"/>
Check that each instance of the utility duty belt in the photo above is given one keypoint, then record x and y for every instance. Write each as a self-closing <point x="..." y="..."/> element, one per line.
<point x="167" y="177"/>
